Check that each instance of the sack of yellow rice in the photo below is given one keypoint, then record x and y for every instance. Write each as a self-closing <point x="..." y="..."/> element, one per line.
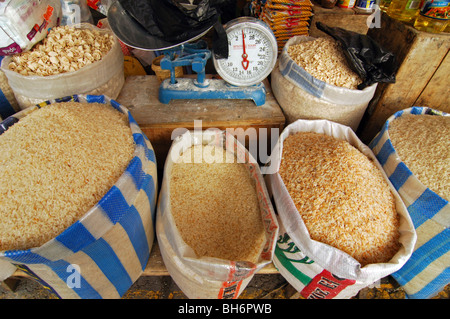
<point x="215" y="223"/>
<point x="76" y="59"/>
<point x="77" y="211"/>
<point x="343" y="226"/>
<point x="313" y="80"/>
<point x="413" y="148"/>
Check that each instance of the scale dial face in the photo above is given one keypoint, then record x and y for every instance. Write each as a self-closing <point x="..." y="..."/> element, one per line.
<point x="252" y="52"/>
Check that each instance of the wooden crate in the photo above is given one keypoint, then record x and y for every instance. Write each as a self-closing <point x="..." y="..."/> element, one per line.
<point x="421" y="80"/>
<point x="158" y="121"/>
<point x="348" y="19"/>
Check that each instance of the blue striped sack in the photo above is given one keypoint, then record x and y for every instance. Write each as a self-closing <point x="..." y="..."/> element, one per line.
<point x="427" y="271"/>
<point x="103" y="253"/>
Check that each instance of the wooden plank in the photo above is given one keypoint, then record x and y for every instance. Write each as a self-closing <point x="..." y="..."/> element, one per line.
<point x="419" y="55"/>
<point x="437" y="93"/>
<point x="140" y="95"/>
<point x="338" y="17"/>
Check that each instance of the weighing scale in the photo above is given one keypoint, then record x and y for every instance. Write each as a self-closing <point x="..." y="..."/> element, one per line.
<point x="252" y="48"/>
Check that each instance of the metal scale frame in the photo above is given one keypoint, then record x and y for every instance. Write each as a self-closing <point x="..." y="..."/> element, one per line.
<point x="196" y="55"/>
<point x="187" y="54"/>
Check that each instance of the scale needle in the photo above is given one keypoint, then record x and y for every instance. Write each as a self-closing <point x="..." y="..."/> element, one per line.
<point x="244" y="55"/>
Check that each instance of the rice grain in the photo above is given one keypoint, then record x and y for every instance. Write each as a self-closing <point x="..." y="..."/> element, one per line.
<point x="56" y="163"/>
<point x="215" y="205"/>
<point x="324" y="59"/>
<point x="422" y="142"/>
<point x="341" y="196"/>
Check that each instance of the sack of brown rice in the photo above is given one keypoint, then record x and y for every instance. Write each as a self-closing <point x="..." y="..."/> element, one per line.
<point x="342" y="224"/>
<point x="77" y="211"/>
<point x="76" y="59"/>
<point x="215" y="223"/>
<point x="413" y="148"/>
<point x="312" y="80"/>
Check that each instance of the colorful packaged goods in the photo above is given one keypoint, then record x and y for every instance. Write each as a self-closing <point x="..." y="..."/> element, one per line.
<point x="286" y="18"/>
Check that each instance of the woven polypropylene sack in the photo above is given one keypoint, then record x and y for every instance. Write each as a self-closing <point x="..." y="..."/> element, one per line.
<point x="103" y="253"/>
<point x="103" y="77"/>
<point x="302" y="96"/>
<point x="207" y="277"/>
<point x="295" y="244"/>
<point x="427" y="271"/>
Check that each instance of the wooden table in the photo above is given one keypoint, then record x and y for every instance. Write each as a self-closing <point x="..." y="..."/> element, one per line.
<point x="158" y="120"/>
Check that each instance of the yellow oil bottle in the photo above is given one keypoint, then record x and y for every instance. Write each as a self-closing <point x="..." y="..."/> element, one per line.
<point x="404" y="10"/>
<point x="433" y="16"/>
<point x="384" y="5"/>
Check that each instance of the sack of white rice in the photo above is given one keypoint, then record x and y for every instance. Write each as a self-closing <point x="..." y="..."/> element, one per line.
<point x="76" y="59"/>
<point x="312" y="80"/>
<point x="344" y="225"/>
<point x="77" y="211"/>
<point x="413" y="148"/>
<point x="215" y="223"/>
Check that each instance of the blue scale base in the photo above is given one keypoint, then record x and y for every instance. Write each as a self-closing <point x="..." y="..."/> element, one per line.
<point x="186" y="88"/>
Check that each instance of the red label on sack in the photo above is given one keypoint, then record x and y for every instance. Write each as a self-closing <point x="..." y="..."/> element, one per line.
<point x="48" y="14"/>
<point x="93" y="4"/>
<point x="325" y="286"/>
<point x="230" y="290"/>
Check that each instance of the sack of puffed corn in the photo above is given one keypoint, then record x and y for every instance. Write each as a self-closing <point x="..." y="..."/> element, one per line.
<point x="313" y="81"/>
<point x="76" y="59"/>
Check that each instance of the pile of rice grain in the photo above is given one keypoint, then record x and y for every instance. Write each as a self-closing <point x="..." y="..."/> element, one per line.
<point x="341" y="196"/>
<point x="55" y="164"/>
<point x="423" y="144"/>
<point x="215" y="205"/>
<point x="324" y="59"/>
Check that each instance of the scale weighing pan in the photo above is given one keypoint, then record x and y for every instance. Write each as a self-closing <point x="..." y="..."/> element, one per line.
<point x="131" y="33"/>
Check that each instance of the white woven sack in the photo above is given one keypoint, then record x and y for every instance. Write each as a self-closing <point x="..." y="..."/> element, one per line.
<point x="207" y="277"/>
<point x="335" y="261"/>
<point x="302" y="96"/>
<point x="103" y="77"/>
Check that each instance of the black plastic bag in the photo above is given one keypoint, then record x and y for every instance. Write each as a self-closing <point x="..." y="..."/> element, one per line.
<point x="366" y="57"/>
<point x="176" y="21"/>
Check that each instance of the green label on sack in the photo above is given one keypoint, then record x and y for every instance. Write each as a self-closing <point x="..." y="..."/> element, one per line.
<point x="288" y="255"/>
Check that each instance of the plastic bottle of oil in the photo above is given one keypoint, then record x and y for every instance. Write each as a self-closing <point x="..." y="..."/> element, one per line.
<point x="384" y="5"/>
<point x="404" y="10"/>
<point x="434" y="16"/>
